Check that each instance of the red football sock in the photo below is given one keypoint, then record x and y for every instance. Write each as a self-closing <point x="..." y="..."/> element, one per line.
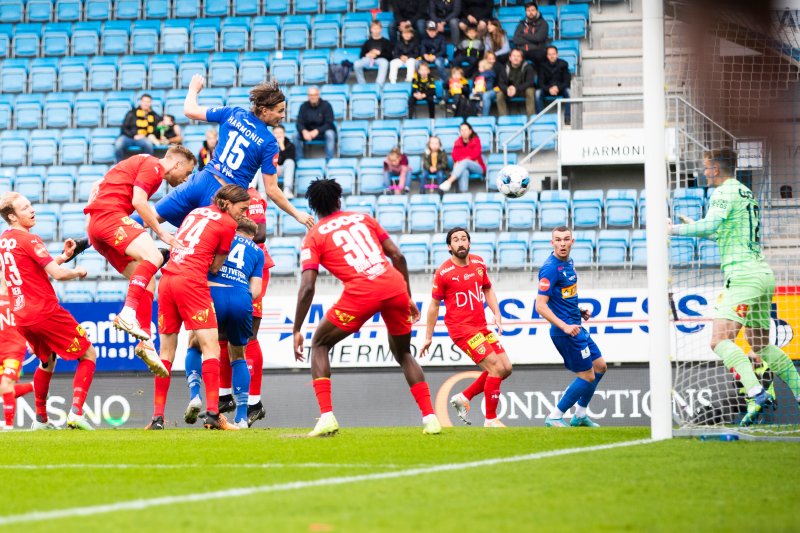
<point x="491" y="395"/>
<point x="322" y="388"/>
<point x="141" y="276"/>
<point x="161" y="391"/>
<point x="476" y="387"/>
<point x="9" y="407"/>
<point x="422" y="394"/>
<point x="144" y="311"/>
<point x="81" y="383"/>
<point x="21" y="389"/>
<point x="211" y="379"/>
<point x="224" y="366"/>
<point x="41" y="386"/>
<point x="255" y="362"/>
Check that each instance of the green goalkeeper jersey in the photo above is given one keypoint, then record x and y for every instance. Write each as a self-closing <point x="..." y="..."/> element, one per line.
<point x="734" y="216"/>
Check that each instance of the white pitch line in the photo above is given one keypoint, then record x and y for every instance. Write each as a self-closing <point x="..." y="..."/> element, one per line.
<point x="100" y="466"/>
<point x="135" y="505"/>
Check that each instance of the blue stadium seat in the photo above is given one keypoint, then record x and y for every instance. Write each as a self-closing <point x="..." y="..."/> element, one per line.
<point x="543" y="133"/>
<point x="366" y="5"/>
<point x="456" y="209"/>
<point x="583" y="248"/>
<point x="222" y="71"/>
<point x="295" y="31"/>
<point x="77" y="292"/>
<point x="638" y="248"/>
<point x="245" y="8"/>
<point x="307" y="171"/>
<point x="189" y="9"/>
<point x="620" y="207"/>
<point x="353" y="140"/>
<point x="276" y="7"/>
<point x="28" y="111"/>
<point x="205" y="34"/>
<point x="175" y="36"/>
<point x="484" y="245"/>
<point x="512" y="249"/>
<point x="573" y="21"/>
<point x="391" y="212"/>
<point x="86" y="38"/>
<point x="189" y="65"/>
<point x="265" y="32"/>
<point x="308" y="7"/>
<point x="286" y="69"/>
<point x="423" y="212"/>
<point x="212" y="98"/>
<point x="325" y="30"/>
<point x="364" y="101"/>
<point x="370" y="175"/>
<point x="549" y="14"/>
<point x="30" y="184"/>
<point x="55" y="39"/>
<point x="360" y="203"/>
<point x="290" y="226"/>
<point x="285" y="252"/>
<point x="88" y="109"/>
<point x="504" y="135"/>
<point x="688" y="202"/>
<point x="74" y="147"/>
<point x="642" y="208"/>
<point x="383" y="136"/>
<point x="345" y="54"/>
<point x="295" y="97"/>
<point x="488" y="211"/>
<point x="336" y="95"/>
<point x="12" y="11"/>
<point x="553" y="209"/>
<point x="145" y="36"/>
<point x="73" y="73"/>
<point x="6" y="106"/>
<point x="439" y="250"/>
<point x="416" y="250"/>
<point x="44" y="75"/>
<point x="97" y="10"/>
<point x="174" y="105"/>
<point x="14" y="76"/>
<point x="313" y="70"/>
<point x="394" y="101"/>
<point x="612" y="247"/>
<point x="235" y="34"/>
<point x="355" y="29"/>
<point x="43" y="147"/>
<point x="117" y="106"/>
<point x="521" y="212"/>
<point x="587" y="208"/>
<point x="6" y="184"/>
<point x="682" y="251"/>
<point x="88" y="175"/>
<point x="344" y="171"/>
<point x="102" y="145"/>
<point x="6" y="34"/>
<point x="133" y="72"/>
<point x="14" y="147"/>
<point x="39" y="10"/>
<point x="59" y="184"/>
<point x="414" y="136"/>
<point x="111" y="291"/>
<point x="494" y="162"/>
<point x="215" y="8"/>
<point x="114" y="38"/>
<point x="103" y="73"/>
<point x="157" y="9"/>
<point x="253" y="68"/>
<point x="708" y="253"/>
<point x="91" y="260"/>
<point x="163" y="71"/>
<point x="447" y="134"/>
<point x="126" y="9"/>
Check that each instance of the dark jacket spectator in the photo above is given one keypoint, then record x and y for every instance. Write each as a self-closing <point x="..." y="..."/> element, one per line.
<point x="516" y="80"/>
<point x="557" y="74"/>
<point x="522" y="78"/>
<point x="288" y="151"/>
<point x="315" y="118"/>
<point x="407" y="48"/>
<point x="414" y="12"/>
<point x="436" y="45"/>
<point x="140" y="122"/>
<point x="382" y="44"/>
<point x="446" y="13"/>
<point x="531" y="36"/>
<point x="422" y="88"/>
<point x="481" y="10"/>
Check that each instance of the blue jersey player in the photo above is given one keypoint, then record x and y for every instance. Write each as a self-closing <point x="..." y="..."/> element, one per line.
<point x="245" y="146"/>
<point x="233" y="289"/>
<point x="557" y="302"/>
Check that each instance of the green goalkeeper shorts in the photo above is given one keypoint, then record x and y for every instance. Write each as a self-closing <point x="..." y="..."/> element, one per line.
<point x="747" y="299"/>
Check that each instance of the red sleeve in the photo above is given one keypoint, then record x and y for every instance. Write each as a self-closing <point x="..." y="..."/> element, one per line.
<point x="309" y="253"/>
<point x="437" y="293"/>
<point x="487" y="283"/>
<point x="226" y="234"/>
<point x="149" y="176"/>
<point x="377" y="229"/>
<point x="36" y="249"/>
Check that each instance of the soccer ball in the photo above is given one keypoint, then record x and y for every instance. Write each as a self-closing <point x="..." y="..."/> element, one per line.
<point x="513" y="181"/>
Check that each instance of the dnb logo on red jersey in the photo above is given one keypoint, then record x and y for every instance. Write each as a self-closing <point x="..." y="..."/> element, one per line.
<point x="544" y="284"/>
<point x="742" y="310"/>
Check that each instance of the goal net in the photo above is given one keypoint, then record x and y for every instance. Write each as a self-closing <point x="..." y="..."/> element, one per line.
<point x="733" y="82"/>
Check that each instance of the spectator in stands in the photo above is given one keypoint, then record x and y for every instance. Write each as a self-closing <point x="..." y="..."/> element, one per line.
<point x="483" y="86"/>
<point x="433" y="49"/>
<point x="396" y="172"/>
<point x="475" y="13"/>
<point x="406" y="52"/>
<point x="138" y="124"/>
<point x="496" y="40"/>
<point x="422" y="88"/>
<point x="516" y="80"/>
<point x="375" y="52"/>
<point x="531" y="34"/>
<point x="458" y="90"/>
<point x="467" y="159"/>
<point x="411" y="13"/>
<point x="446" y="13"/>
<point x="315" y="123"/>
<point x="554" y="81"/>
<point x="207" y="151"/>
<point x="469" y="51"/>
<point x="167" y="132"/>
<point x="286" y="158"/>
<point x="434" y="166"/>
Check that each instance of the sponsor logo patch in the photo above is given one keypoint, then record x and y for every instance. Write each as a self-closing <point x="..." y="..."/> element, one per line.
<point x="343" y="317"/>
<point x="570" y="292"/>
<point x="130" y="222"/>
<point x="742" y="310"/>
<point x="74" y="346"/>
<point x="119" y="236"/>
<point x="201" y="316"/>
<point x="476" y="341"/>
<point x="544" y="284"/>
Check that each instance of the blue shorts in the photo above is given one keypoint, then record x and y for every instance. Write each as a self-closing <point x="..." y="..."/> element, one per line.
<point x="234" y="308"/>
<point x="196" y="192"/>
<point x="578" y="352"/>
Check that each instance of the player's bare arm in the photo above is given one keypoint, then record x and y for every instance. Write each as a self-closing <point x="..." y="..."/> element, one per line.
<point x="149" y="215"/>
<point x="305" y="295"/>
<point x="60" y="273"/>
<point x="67" y="253"/>
<point x="545" y="312"/>
<point x="275" y="193"/>
<point x="255" y="287"/>
<point x="399" y="261"/>
<point x="491" y="301"/>
<point x="191" y="108"/>
<point x="219" y="260"/>
<point x="430" y="324"/>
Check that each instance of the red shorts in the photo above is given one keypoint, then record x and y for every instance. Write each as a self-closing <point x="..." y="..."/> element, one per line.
<point x="58" y="333"/>
<point x="111" y="233"/>
<point x="184" y="301"/>
<point x="479" y="346"/>
<point x="349" y="313"/>
<point x="13" y="351"/>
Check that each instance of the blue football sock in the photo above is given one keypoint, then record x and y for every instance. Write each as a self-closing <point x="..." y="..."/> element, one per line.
<point x="574" y="392"/>
<point x="240" y="382"/>
<point x="587" y="396"/>
<point x="194" y="371"/>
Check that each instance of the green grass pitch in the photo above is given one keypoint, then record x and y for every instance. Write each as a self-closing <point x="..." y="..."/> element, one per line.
<point x="678" y="485"/>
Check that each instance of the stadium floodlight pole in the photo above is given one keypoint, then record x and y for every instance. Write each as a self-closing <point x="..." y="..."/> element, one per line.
<point x="655" y="182"/>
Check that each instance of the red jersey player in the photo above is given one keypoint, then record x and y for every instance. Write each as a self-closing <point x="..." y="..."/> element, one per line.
<point x="46" y="326"/>
<point x="353" y="247"/>
<point x="12" y="356"/>
<point x="463" y="283"/>
<point x="126" y="244"/>
<point x="204" y="240"/>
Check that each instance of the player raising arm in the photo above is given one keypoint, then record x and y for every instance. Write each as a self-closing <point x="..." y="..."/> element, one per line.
<point x="46" y="326"/>
<point x="353" y="247"/>
<point x="734" y="217"/>
<point x="463" y="283"/>
<point x="557" y="302"/>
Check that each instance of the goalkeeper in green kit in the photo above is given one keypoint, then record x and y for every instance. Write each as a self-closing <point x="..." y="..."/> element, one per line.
<point x="734" y="219"/>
